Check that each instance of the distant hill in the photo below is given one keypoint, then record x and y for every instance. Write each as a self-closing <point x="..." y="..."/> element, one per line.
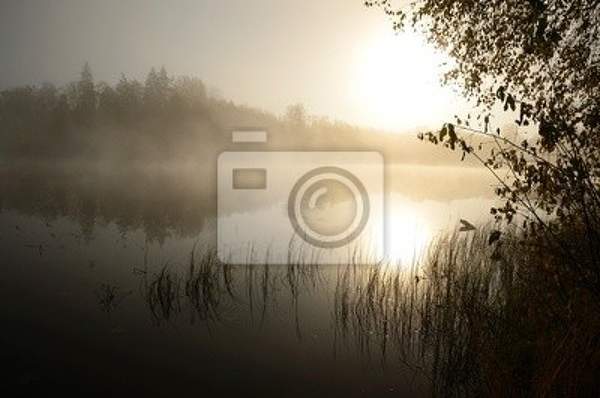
<point x="167" y="119"/>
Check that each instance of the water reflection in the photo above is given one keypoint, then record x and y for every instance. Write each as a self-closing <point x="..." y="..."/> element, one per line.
<point x="122" y="265"/>
<point x="181" y="202"/>
<point x="412" y="225"/>
<point x="408" y="233"/>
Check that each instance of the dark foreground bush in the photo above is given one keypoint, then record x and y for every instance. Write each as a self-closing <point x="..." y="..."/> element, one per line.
<point x="483" y="319"/>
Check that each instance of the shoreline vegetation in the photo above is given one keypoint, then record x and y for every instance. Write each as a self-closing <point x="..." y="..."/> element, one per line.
<point x="474" y="317"/>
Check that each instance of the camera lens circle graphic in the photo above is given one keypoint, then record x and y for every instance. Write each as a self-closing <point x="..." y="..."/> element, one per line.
<point x="328" y="207"/>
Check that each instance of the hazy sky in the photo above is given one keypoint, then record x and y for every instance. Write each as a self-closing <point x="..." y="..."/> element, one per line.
<point x="337" y="57"/>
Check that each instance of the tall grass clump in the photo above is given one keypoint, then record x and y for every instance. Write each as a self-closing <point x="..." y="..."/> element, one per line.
<point x="479" y="317"/>
<point x="215" y="292"/>
<point x="482" y="313"/>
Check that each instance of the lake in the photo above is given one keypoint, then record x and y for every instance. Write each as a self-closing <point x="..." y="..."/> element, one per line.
<point x="110" y="285"/>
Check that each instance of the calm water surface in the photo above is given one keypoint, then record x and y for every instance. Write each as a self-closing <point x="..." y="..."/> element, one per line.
<point x="97" y="295"/>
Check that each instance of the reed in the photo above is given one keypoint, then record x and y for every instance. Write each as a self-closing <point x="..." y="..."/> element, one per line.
<point x="475" y="317"/>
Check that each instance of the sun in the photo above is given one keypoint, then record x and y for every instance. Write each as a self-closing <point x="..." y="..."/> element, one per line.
<point x="397" y="82"/>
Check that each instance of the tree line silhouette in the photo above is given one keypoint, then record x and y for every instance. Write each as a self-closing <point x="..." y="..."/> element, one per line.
<point x="82" y="116"/>
<point x="168" y="118"/>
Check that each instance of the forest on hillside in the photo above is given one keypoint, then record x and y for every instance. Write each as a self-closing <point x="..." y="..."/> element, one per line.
<point x="167" y="118"/>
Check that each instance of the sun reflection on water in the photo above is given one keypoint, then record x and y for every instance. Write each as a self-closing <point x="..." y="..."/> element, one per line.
<point x="407" y="235"/>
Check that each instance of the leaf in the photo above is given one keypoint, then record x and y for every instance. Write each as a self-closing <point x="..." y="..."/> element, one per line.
<point x="500" y="93"/>
<point x="494" y="236"/>
<point x="452" y="136"/>
<point x="466" y="226"/>
<point x="510" y="103"/>
<point x="443" y="133"/>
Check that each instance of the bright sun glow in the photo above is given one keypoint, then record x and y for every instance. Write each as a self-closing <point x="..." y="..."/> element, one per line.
<point x="397" y="82"/>
<point x="407" y="236"/>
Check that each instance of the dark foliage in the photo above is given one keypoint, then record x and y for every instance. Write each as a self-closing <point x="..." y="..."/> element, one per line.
<point x="539" y="61"/>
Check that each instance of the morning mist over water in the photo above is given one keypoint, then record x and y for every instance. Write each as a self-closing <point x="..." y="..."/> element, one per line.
<point x="351" y="199"/>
